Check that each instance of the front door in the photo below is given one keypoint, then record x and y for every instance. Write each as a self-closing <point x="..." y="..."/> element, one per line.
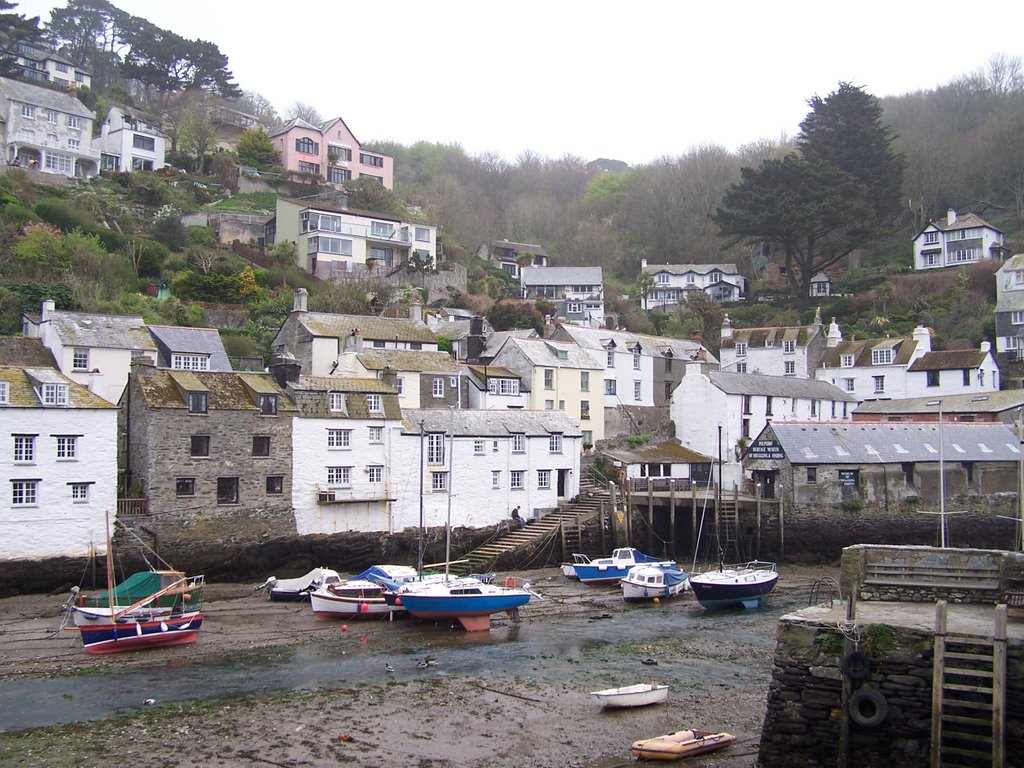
<point x="563" y="476"/>
<point x="766" y="479"/>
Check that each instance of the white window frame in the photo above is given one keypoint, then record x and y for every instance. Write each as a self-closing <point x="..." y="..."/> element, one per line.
<point x="187" y="362"/>
<point x="339" y="476"/>
<point x="438" y="482"/>
<point x="437" y="387"/>
<point x="636" y="361"/>
<point x="79" y="493"/>
<point x="849" y="385"/>
<point x="375" y="434"/>
<point x="435" y="448"/>
<point x="479" y="447"/>
<point x="55" y="394"/>
<point x="555" y="442"/>
<point x="543" y="479"/>
<point x="610" y="387"/>
<point x="931" y="238"/>
<point x="24" y="493"/>
<point x="789" y="368"/>
<point x="80" y="359"/>
<point x="338" y="439"/>
<point x="495" y="478"/>
<point x="336" y="402"/>
<point x="741" y="367"/>
<point x="846" y="361"/>
<point x="741" y="349"/>
<point x="374" y="404"/>
<point x="1017" y="317"/>
<point x="516" y="479"/>
<point x="788" y="347"/>
<point x="610" y="363"/>
<point x="881" y="356"/>
<point x="637" y="389"/>
<point x="24" y="449"/>
<point x="518" y="442"/>
<point x="375" y="474"/>
<point x="67" y="447"/>
<point x="879" y="382"/>
<point x="3" y="393"/>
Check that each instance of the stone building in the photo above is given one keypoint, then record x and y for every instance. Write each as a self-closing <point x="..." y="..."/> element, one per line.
<point x="211" y="452"/>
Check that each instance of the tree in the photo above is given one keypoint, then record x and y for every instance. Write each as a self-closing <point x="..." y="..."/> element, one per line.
<point x="515" y="314"/>
<point x="258" y="105"/>
<point x="196" y="132"/>
<point x="304" y="111"/>
<point x="15" y="29"/>
<point x="256" y="149"/>
<point x="284" y="254"/>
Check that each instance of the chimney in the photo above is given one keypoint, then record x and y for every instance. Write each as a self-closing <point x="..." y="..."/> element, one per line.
<point x="143" y="365"/>
<point x="475" y="342"/>
<point x="284" y="368"/>
<point x="354" y="342"/>
<point x="416" y="311"/>
<point x="726" y="328"/>
<point x="643" y="264"/>
<point x="49" y="305"/>
<point x="985" y="347"/>
<point x="923" y="337"/>
<point x="817" y="318"/>
<point x="301" y="297"/>
<point x="834" y="336"/>
<point x="389" y="376"/>
<point x="950" y="217"/>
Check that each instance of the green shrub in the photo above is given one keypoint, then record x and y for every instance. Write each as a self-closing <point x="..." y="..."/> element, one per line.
<point x="19" y="214"/>
<point x="169" y="231"/>
<point x="63" y="217"/>
<point x="200" y="235"/>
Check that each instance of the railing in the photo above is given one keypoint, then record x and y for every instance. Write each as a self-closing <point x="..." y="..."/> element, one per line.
<point x="353" y="495"/>
<point x="132" y="507"/>
<point x="666" y="484"/>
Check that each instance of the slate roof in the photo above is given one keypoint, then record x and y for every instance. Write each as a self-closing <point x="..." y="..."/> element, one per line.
<point x="372" y="328"/>
<point x="778" y="386"/>
<point x="310" y="397"/>
<point x="894" y="443"/>
<point x="23" y="380"/>
<point x="1009" y="300"/>
<point x="700" y="269"/>
<point x="532" y="248"/>
<point x="295" y="122"/>
<point x="945" y="360"/>
<point x="451" y="329"/>
<point x="408" y="360"/>
<point x="987" y="402"/>
<point x="22" y="350"/>
<point x="963" y="221"/>
<point x="544" y="353"/>
<point x="757" y="338"/>
<point x="85" y="329"/>
<point x="664" y="453"/>
<point x="561" y="276"/>
<point x="497" y="339"/>
<point x="227" y="391"/>
<point x="861" y="351"/>
<point x="486" y="423"/>
<point x="172" y="339"/>
<point x="46" y="98"/>
<point x="598" y="338"/>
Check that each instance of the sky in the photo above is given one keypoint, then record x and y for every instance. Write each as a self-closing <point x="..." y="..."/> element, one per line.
<point x="631" y="81"/>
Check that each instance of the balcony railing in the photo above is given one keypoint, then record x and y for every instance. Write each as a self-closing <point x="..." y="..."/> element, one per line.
<point x="132" y="507"/>
<point x="643" y="484"/>
<point x="83" y="150"/>
<point x="346" y="495"/>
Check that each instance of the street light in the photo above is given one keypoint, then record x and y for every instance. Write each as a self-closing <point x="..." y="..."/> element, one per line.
<point x="942" y="477"/>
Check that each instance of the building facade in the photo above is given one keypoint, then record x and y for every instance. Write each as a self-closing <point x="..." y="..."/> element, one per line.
<point x="956" y="241"/>
<point x="130" y="140"/>
<point x="576" y="292"/>
<point x="330" y="151"/>
<point x="672" y="283"/>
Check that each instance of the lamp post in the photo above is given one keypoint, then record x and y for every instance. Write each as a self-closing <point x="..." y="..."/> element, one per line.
<point x="942" y="477"/>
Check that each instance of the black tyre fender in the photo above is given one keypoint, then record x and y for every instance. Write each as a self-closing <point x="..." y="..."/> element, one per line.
<point x="868" y="707"/>
<point x="856" y="665"/>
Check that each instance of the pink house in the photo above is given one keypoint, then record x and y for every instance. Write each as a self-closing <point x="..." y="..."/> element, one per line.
<point x="330" y="151"/>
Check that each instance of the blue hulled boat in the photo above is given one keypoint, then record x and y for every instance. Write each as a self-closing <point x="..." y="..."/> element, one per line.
<point x="611" y="570"/>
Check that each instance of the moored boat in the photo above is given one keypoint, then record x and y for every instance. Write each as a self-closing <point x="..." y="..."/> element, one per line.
<point x="680" y="744"/>
<point x="351" y="599"/>
<point x="747" y="584"/>
<point x="639" y="695"/>
<point x="569" y="569"/>
<point x="610" y="570"/>
<point x="293" y="590"/>
<point x="469" y="600"/>
<point x="647" y="582"/>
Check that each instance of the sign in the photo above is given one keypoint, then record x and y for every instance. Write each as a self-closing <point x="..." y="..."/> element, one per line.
<point x="848" y="478"/>
<point x="765" y="449"/>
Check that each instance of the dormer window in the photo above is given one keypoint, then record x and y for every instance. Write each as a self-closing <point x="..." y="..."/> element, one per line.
<point x="846" y="361"/>
<point x="336" y="402"/>
<point x="55" y="394"/>
<point x="268" y="405"/>
<point x="881" y="356"/>
<point x="180" y="362"/>
<point x="374" y="404"/>
<point x="741" y="349"/>
<point x="198" y="402"/>
<point x="663" y="277"/>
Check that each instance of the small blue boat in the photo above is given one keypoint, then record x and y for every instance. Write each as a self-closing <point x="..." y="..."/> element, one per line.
<point x="611" y="570"/>
<point x="469" y="600"/>
<point x="647" y="582"/>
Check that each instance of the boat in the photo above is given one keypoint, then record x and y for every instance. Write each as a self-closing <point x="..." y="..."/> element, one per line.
<point x="293" y="590"/>
<point x="680" y="744"/>
<point x="467" y="599"/>
<point x="351" y="599"/>
<point x="649" y="582"/>
<point x="149" y="609"/>
<point x="747" y="584"/>
<point x="639" y="695"/>
<point x="569" y="569"/>
<point x="610" y="570"/>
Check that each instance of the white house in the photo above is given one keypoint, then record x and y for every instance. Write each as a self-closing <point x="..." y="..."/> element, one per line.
<point x="510" y="257"/>
<point x="93" y="350"/>
<point x="1010" y="306"/>
<point x="901" y="367"/>
<point x="46" y="130"/>
<point x="672" y="282"/>
<point x="718" y="413"/>
<point x="476" y="466"/>
<point x="494" y="387"/>
<point x="130" y="140"/>
<point x="576" y="292"/>
<point x="42" y="64"/>
<point x="343" y="473"/>
<point x="957" y="241"/>
<point x="58" y="462"/>
<point x="773" y="351"/>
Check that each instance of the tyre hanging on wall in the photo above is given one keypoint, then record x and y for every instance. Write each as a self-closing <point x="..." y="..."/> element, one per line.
<point x="868" y="707"/>
<point x="856" y="665"/>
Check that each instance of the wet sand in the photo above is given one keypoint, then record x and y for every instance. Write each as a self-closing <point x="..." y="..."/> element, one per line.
<point x="531" y="710"/>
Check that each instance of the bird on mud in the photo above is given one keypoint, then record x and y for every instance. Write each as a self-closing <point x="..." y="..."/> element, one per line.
<point x="388" y="667"/>
<point x="427" y="662"/>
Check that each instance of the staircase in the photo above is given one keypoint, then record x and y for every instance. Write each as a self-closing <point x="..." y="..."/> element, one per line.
<point x="968" y="696"/>
<point x="729" y="525"/>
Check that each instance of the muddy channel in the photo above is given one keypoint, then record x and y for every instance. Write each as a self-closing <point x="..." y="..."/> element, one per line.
<point x="270" y="684"/>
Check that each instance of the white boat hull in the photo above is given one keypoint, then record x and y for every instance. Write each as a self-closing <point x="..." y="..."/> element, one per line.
<point x="632" y="695"/>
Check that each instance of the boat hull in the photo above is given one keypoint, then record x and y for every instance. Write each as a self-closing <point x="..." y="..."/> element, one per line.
<point x="635" y="589"/>
<point x="355" y="599"/>
<point x="137" y="635"/>
<point x="456" y="606"/>
<point x="675" y="746"/>
<point x="727" y="589"/>
<point x="632" y="696"/>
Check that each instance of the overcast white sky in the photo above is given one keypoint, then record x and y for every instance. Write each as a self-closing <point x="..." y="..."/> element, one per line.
<point x="632" y="81"/>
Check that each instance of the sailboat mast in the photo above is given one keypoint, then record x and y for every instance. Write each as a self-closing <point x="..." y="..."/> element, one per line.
<point x="419" y="549"/>
<point x="448" y="524"/>
<point x="110" y="567"/>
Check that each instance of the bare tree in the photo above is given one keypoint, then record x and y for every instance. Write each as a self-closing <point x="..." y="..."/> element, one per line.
<point x="304" y="111"/>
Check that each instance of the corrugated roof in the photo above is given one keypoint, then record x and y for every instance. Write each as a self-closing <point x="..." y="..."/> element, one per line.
<point x="664" y="453"/>
<point x="372" y="328"/>
<point x="485" y="423"/>
<point x="44" y="97"/>
<point x="192" y="341"/>
<point x="408" y="360"/>
<point x="22" y="382"/>
<point x="987" y="402"/>
<point x="894" y="443"/>
<point x="561" y="276"/>
<point x="86" y="329"/>
<point x="948" y="359"/>
<point x="778" y="386"/>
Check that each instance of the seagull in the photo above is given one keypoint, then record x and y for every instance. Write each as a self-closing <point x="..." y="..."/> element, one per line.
<point x="149" y="701"/>
<point x="388" y="667"/>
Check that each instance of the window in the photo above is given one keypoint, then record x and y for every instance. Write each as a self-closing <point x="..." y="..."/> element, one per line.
<point x="366" y="159"/>
<point x="24" y="492"/>
<point x="180" y="362"/>
<point x="341" y="154"/>
<point x="374" y="404"/>
<point x="544" y="478"/>
<point x="55" y="394"/>
<point x="549" y="378"/>
<point x="200" y="445"/>
<point x="339" y="475"/>
<point x="812" y="474"/>
<point x="261" y="445"/>
<point x="932" y="378"/>
<point x="310" y="168"/>
<point x="668" y="390"/>
<point x="422" y="234"/>
<point x="275" y="485"/>
<point x="789" y="368"/>
<point x="879" y="384"/>
<point x="515" y="479"/>
<point x="438" y="387"/>
<point x="637" y="389"/>
<point x="931" y="238"/>
<point x="185" y="486"/>
<point x="56" y="161"/>
<point x="745" y="427"/>
<point x="741" y="367"/>
<point x="399" y="385"/>
<point x="147" y="143"/>
<point x="746" y="403"/>
<point x="338" y="175"/>
<point x="609" y="386"/>
<point x="929" y="259"/>
<point x="814" y="408"/>
<point x="584" y="409"/>
<point x="268" y="405"/>
<point x="198" y="402"/>
<point x="79" y="492"/>
<point x="227" y="490"/>
<point x="27" y="110"/>
<point x="663" y="278"/>
<point x="967" y="376"/>
<point x="846" y="361"/>
<point x="378" y="179"/>
<point x="768" y="406"/>
<point x="573" y="308"/>
<point x="62" y="67"/>
<point x="584" y="381"/>
<point x="80" y="361"/>
<point x="339" y="246"/>
<point x="382" y="229"/>
<point x="67" y="447"/>
<point x="611" y="359"/>
<point x="848" y="385"/>
<point x="51" y="116"/>
<point x="79" y="77"/>
<point x="73" y="144"/>
<point x="881" y="356"/>
<point x="549" y="405"/>
<point x="741" y="349"/>
<point x="24" y="448"/>
<point x="336" y="402"/>
<point x="307" y="146"/>
<point x="588" y="437"/>
<point x="495" y="478"/>
<point x="788" y="347"/>
<point x="555" y="443"/>
<point x="375" y="473"/>
<point x="3" y="393"/>
<point x="518" y="442"/>
<point x="636" y="361"/>
<point x="435" y="448"/>
<point x="478" y="447"/>
<point x="376" y="434"/>
<point x="981" y="377"/>
<point x="1017" y="317"/>
<point x="73" y="121"/>
<point x="439" y="481"/>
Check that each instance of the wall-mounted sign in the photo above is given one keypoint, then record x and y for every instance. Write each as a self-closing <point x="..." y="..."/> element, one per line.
<point x="765" y="449"/>
<point x="848" y="478"/>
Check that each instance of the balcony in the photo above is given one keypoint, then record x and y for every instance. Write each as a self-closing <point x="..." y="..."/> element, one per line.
<point x="132" y="507"/>
<point x="82" y="151"/>
<point x="348" y="495"/>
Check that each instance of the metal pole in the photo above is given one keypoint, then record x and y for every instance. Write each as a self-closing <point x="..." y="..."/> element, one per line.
<point x="419" y="550"/>
<point x="942" y="480"/>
